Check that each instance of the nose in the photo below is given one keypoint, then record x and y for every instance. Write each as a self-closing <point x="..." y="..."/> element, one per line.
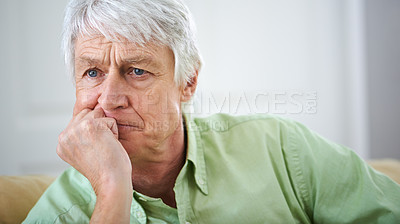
<point x="113" y="92"/>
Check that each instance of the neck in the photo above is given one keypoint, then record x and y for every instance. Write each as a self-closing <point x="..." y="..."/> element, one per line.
<point x="157" y="179"/>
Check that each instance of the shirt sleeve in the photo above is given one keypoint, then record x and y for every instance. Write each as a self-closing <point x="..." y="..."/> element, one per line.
<point x="337" y="186"/>
<point x="69" y="199"/>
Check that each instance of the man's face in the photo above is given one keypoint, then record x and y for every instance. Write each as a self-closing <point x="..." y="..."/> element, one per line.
<point x="135" y="86"/>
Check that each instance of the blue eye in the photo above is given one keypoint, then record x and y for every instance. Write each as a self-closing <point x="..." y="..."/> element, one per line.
<point x="138" y="71"/>
<point x="92" y="73"/>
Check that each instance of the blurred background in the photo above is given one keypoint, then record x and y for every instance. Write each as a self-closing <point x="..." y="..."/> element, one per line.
<point x="330" y="64"/>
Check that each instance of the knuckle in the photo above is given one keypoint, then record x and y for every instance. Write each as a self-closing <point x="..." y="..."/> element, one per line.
<point x="59" y="151"/>
<point x="84" y="111"/>
<point x="86" y="125"/>
<point x="62" y="138"/>
<point x="102" y="125"/>
<point x="85" y="122"/>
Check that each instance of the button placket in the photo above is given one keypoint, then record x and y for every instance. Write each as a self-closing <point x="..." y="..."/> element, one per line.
<point x="138" y="212"/>
<point x="201" y="182"/>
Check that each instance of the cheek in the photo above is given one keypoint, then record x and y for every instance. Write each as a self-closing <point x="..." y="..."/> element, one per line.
<point x="164" y="101"/>
<point x="86" y="98"/>
<point x="150" y="101"/>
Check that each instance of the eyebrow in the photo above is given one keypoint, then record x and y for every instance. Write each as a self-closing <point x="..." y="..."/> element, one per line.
<point x="88" y="60"/>
<point x="140" y="59"/>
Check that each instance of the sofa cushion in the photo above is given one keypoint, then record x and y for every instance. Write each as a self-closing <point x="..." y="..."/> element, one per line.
<point x="389" y="167"/>
<point x="18" y="194"/>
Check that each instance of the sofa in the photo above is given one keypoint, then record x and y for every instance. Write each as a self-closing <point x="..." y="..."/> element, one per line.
<point x="18" y="194"/>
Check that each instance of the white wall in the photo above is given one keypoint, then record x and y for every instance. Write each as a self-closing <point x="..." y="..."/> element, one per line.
<point x="36" y="96"/>
<point x="291" y="54"/>
<point x="383" y="35"/>
<point x="287" y="49"/>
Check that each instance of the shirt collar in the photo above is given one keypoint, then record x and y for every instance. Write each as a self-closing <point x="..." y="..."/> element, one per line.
<point x="195" y="153"/>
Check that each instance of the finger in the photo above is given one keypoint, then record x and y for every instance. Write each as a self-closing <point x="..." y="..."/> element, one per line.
<point x="81" y="114"/>
<point x="76" y="110"/>
<point x="60" y="150"/>
<point x="86" y="101"/>
<point x="78" y="115"/>
<point x="98" y="112"/>
<point x="97" y="106"/>
<point x="110" y="124"/>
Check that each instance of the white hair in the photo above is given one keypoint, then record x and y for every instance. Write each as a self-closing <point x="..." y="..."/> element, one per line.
<point x="167" y="22"/>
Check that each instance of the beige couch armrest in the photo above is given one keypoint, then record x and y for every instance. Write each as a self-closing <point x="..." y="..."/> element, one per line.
<point x="390" y="167"/>
<point x="18" y="194"/>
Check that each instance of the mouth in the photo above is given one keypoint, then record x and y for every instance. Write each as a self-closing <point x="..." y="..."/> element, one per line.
<point x="124" y="127"/>
<point x="127" y="122"/>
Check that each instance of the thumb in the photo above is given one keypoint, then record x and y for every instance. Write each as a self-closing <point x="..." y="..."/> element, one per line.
<point x="111" y="124"/>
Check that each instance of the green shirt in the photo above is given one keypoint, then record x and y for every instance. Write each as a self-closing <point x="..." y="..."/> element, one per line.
<point x="248" y="169"/>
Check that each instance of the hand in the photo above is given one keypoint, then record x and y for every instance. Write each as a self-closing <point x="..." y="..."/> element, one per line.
<point x="90" y="144"/>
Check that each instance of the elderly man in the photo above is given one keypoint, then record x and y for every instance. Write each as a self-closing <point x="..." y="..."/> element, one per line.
<point x="138" y="158"/>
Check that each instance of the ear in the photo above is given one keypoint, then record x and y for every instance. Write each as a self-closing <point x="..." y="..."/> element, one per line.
<point x="190" y="88"/>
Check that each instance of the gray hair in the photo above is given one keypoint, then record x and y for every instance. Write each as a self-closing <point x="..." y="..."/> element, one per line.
<point x="167" y="22"/>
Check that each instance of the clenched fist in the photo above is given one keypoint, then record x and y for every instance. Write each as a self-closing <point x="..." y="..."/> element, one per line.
<point x="90" y="144"/>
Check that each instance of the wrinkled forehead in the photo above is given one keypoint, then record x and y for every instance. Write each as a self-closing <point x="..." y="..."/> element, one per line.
<point x="100" y="41"/>
<point x="114" y="37"/>
<point x="100" y="51"/>
<point x="124" y="45"/>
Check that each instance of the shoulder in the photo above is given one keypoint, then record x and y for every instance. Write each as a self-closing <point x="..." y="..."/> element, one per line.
<point x="261" y="146"/>
<point x="226" y="122"/>
<point x="291" y="134"/>
<point x="268" y="129"/>
<point x="69" y="198"/>
<point x="264" y="136"/>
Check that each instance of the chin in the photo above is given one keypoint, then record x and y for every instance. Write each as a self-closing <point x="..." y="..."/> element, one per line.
<point x="135" y="140"/>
